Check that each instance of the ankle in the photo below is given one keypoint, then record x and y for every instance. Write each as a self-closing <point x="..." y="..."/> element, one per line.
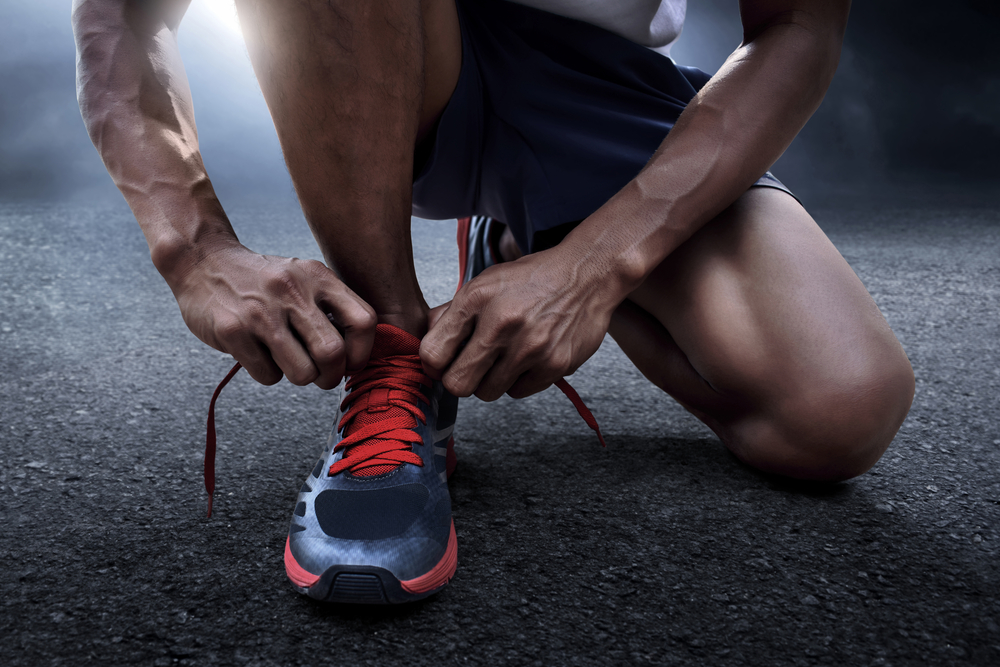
<point x="414" y="322"/>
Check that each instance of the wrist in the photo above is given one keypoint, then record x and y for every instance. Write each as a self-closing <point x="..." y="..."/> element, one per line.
<point x="601" y="275"/>
<point x="176" y="257"/>
<point x="605" y="257"/>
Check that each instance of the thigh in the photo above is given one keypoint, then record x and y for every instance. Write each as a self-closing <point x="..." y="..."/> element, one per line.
<point x="442" y="60"/>
<point x="434" y="48"/>
<point x="767" y="311"/>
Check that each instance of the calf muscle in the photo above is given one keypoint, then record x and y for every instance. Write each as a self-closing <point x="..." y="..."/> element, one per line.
<point x="345" y="84"/>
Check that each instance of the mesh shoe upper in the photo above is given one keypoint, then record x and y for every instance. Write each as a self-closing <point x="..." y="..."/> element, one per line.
<point x="378" y="496"/>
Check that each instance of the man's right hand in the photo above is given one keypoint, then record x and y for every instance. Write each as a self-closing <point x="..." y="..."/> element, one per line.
<point x="270" y="313"/>
<point x="277" y="316"/>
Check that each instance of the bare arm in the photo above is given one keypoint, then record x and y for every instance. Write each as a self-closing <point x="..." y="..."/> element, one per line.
<point x="535" y="320"/>
<point x="734" y="129"/>
<point x="268" y="312"/>
<point x="136" y="103"/>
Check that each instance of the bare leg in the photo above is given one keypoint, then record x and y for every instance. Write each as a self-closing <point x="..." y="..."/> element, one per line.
<point x="352" y="87"/>
<point x="760" y="328"/>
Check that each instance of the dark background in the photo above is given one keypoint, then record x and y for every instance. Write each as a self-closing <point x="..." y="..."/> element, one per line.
<point x="660" y="549"/>
<point x="916" y="100"/>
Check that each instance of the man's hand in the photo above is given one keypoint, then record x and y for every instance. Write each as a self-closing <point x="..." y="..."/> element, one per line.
<point x="277" y="316"/>
<point x="270" y="313"/>
<point x="524" y="325"/>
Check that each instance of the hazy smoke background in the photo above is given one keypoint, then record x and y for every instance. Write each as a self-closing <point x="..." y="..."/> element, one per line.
<point x="916" y="100"/>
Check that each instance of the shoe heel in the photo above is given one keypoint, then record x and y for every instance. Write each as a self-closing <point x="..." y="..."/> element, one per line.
<point x="350" y="588"/>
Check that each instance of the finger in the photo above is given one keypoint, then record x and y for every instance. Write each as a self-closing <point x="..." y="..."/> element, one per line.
<point x="497" y="379"/>
<point x="444" y="340"/>
<point x="323" y="344"/>
<point x="435" y="314"/>
<point x="292" y="358"/>
<point x="507" y="372"/>
<point x="231" y="334"/>
<point x="474" y="361"/>
<point x="257" y="361"/>
<point x="530" y="383"/>
<point x="356" y="322"/>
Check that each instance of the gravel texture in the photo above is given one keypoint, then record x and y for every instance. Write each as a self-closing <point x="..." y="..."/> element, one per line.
<point x="661" y="549"/>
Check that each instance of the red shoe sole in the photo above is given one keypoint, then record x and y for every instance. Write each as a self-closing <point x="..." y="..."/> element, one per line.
<point x="369" y="585"/>
<point x="372" y="585"/>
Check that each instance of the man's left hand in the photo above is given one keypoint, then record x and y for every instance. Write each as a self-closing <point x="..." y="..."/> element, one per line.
<point x="518" y="327"/>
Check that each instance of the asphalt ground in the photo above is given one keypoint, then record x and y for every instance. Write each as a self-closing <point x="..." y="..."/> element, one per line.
<point x="660" y="549"/>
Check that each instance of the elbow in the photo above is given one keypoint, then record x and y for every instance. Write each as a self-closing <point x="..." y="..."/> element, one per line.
<point x="815" y="33"/>
<point x="89" y="19"/>
<point x="809" y="54"/>
<point x="99" y="29"/>
<point x="825" y="20"/>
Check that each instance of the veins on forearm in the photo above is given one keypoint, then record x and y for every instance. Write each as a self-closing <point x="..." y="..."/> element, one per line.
<point x="134" y="97"/>
<point x="730" y="134"/>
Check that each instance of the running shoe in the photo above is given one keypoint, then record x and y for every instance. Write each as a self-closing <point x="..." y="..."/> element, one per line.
<point x="372" y="523"/>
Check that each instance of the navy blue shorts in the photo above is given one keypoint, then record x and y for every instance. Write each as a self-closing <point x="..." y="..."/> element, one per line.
<point x="550" y="118"/>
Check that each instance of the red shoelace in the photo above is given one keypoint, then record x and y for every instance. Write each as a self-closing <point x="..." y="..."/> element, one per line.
<point x="390" y="384"/>
<point x="379" y="424"/>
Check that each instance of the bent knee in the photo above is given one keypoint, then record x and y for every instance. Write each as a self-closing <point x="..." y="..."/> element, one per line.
<point x="830" y="433"/>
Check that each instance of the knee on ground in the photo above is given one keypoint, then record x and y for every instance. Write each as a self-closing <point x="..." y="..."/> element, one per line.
<point x="832" y="430"/>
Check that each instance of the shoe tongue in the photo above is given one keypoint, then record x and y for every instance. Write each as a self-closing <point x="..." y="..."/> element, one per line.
<point x="390" y="340"/>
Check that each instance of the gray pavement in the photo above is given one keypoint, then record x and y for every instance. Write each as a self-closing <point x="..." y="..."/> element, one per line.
<point x="661" y="549"/>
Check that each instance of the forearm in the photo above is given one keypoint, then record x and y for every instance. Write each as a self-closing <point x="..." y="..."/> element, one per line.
<point x="136" y="104"/>
<point x="729" y="135"/>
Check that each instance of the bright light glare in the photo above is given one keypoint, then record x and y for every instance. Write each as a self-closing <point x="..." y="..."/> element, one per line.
<point x="225" y="12"/>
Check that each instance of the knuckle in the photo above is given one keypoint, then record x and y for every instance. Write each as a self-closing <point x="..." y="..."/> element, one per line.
<point x="561" y="362"/>
<point x="327" y="381"/>
<point x="431" y="354"/>
<point x="264" y="374"/>
<point x="464" y="309"/>
<point x="521" y="391"/>
<point x="513" y="321"/>
<point x="328" y="351"/>
<point x="366" y="319"/>
<point x="549" y="368"/>
<point x="301" y="376"/>
<point x="281" y="283"/>
<point x="456" y="387"/>
<point x="536" y="346"/>
<point x="229" y="328"/>
<point x="479" y="298"/>
<point x="475" y="295"/>
<point x="486" y="395"/>
<point x="258" y="316"/>
<point x="314" y="266"/>
<point x="473" y="292"/>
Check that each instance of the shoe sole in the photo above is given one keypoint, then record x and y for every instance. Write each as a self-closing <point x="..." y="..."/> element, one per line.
<point x="364" y="584"/>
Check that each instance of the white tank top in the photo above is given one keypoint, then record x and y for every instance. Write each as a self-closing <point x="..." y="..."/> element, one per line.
<point x="653" y="23"/>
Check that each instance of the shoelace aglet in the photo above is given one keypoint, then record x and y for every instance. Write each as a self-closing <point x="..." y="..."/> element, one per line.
<point x="210" y="438"/>
<point x="581" y="407"/>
